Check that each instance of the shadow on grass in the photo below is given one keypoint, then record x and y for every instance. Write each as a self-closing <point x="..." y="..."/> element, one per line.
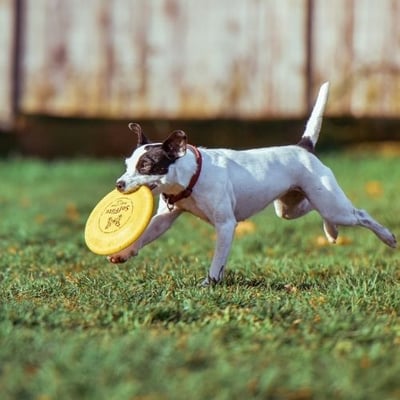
<point x="233" y="278"/>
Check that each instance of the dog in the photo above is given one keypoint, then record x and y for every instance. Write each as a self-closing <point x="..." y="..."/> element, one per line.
<point x="223" y="187"/>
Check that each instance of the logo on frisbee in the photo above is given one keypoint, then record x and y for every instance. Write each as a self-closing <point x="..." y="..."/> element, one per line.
<point x="118" y="220"/>
<point x="115" y="215"/>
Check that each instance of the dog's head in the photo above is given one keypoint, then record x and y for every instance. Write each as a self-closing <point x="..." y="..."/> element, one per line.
<point x="149" y="163"/>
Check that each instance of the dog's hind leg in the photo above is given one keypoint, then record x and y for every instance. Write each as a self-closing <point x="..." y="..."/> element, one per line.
<point x="356" y="217"/>
<point x="336" y="209"/>
<point x="294" y="204"/>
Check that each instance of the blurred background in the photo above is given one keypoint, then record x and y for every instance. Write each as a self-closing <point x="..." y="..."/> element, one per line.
<point x="234" y="73"/>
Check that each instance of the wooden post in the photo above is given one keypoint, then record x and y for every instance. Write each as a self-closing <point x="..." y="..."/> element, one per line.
<point x="8" y="11"/>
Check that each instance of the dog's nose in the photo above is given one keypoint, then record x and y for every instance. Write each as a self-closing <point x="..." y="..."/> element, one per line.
<point x="120" y="185"/>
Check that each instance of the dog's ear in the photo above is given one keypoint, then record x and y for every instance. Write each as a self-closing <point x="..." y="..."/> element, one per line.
<point x="175" y="145"/>
<point x="136" y="128"/>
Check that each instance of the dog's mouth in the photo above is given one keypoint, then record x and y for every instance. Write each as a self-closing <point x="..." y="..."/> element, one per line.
<point x="121" y="186"/>
<point x="151" y="186"/>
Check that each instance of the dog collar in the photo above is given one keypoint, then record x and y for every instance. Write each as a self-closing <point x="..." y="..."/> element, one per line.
<point x="171" y="199"/>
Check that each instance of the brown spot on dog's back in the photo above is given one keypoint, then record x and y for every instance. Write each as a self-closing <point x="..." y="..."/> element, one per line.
<point x="306" y="143"/>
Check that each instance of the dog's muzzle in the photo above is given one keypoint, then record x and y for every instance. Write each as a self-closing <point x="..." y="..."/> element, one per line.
<point x="121" y="186"/>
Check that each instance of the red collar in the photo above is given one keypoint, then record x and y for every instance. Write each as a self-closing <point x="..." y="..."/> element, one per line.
<point x="171" y="199"/>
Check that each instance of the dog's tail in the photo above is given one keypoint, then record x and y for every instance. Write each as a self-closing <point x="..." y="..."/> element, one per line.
<point x="313" y="127"/>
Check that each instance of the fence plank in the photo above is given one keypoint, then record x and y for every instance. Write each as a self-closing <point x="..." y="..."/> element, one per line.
<point x="208" y="59"/>
<point x="165" y="58"/>
<point x="357" y="46"/>
<point x="6" y="62"/>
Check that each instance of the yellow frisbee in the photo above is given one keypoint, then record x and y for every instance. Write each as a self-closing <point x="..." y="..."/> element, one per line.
<point x="118" y="220"/>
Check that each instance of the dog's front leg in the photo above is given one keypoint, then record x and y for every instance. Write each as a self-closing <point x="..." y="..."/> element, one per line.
<point x="159" y="224"/>
<point x="225" y="232"/>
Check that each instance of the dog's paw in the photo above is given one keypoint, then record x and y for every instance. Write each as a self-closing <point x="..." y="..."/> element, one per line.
<point x="387" y="237"/>
<point x="117" y="259"/>
<point x="393" y="242"/>
<point x="209" y="281"/>
<point x="123" y="256"/>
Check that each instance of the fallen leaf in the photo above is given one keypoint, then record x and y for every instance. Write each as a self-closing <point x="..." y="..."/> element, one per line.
<point x="12" y="250"/>
<point x="40" y="218"/>
<point x="317" y="301"/>
<point x="342" y="240"/>
<point x="365" y="362"/>
<point x="374" y="188"/>
<point x="245" y="228"/>
<point x="290" y="288"/>
<point x="72" y="212"/>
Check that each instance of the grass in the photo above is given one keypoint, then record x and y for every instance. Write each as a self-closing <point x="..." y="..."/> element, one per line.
<point x="294" y="319"/>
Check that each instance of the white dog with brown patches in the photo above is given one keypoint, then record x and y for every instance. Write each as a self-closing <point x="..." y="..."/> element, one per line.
<point x="223" y="186"/>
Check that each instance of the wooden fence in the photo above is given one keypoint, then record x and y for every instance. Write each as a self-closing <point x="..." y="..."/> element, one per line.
<point x="201" y="59"/>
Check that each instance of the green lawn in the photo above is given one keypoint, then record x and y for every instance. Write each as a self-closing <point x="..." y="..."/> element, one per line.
<point x="294" y="319"/>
